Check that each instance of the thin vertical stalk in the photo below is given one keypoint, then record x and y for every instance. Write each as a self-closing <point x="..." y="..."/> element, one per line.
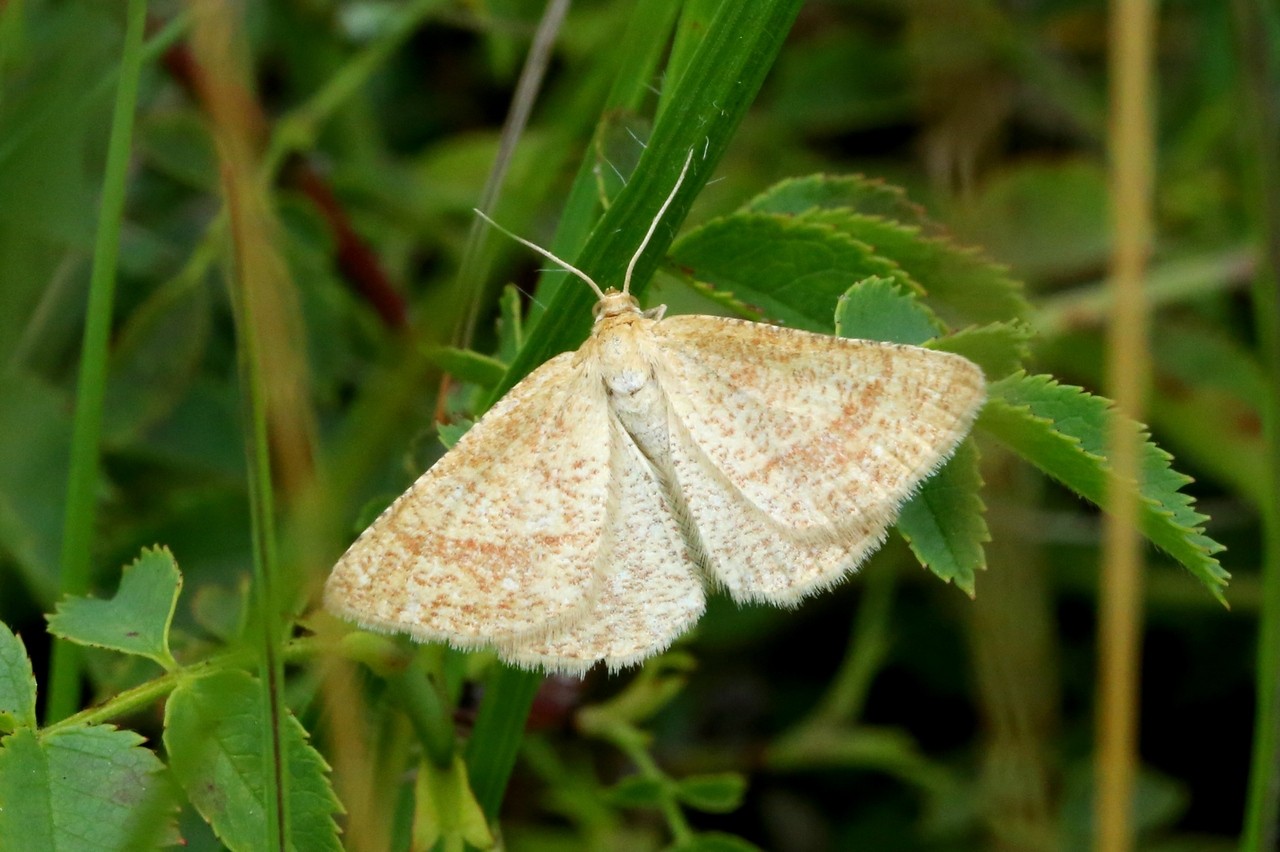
<point x="1257" y="23"/>
<point x="82" y="485"/>
<point x="270" y="370"/>
<point x="1119" y="638"/>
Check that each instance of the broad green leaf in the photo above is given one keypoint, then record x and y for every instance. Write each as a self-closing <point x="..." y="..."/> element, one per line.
<point x="943" y="522"/>
<point x="446" y="813"/>
<point x="964" y="286"/>
<point x="17" y="683"/>
<point x="999" y="348"/>
<point x="468" y="366"/>
<point x="213" y="733"/>
<point x="637" y="791"/>
<point x="880" y="309"/>
<point x="718" y="794"/>
<point x="36" y="426"/>
<point x="793" y="272"/>
<point x="1064" y="431"/>
<point x="817" y="91"/>
<point x="154" y="359"/>
<point x="1044" y="218"/>
<point x="84" y="788"/>
<point x="136" y="620"/>
<point x="1208" y="406"/>
<point x="869" y="196"/>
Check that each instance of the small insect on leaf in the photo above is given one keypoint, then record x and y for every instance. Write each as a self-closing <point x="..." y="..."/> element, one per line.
<point x="582" y="518"/>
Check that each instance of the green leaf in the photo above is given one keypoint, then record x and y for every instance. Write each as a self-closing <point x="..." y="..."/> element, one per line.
<point x="1064" y="431"/>
<point x="451" y="433"/>
<point x="793" y="272"/>
<point x="637" y="791"/>
<point x="943" y="523"/>
<point x="33" y="476"/>
<point x="717" y="793"/>
<point x="1044" y="218"/>
<point x="136" y="620"/>
<point x="154" y="359"/>
<point x="467" y="365"/>
<point x="17" y="683"/>
<point x="446" y="811"/>
<point x="999" y="348"/>
<point x="880" y="309"/>
<point x="213" y="733"/>
<point x="965" y="286"/>
<point x="510" y="324"/>
<point x="82" y="788"/>
<point x="869" y="196"/>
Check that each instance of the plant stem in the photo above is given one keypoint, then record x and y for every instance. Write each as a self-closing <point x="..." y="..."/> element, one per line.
<point x="1257" y="25"/>
<point x="1119" y="637"/>
<point x="82" y="485"/>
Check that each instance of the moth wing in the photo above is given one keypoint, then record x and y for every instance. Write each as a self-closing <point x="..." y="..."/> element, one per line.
<point x="501" y="536"/>
<point x="651" y="590"/>
<point x="795" y="450"/>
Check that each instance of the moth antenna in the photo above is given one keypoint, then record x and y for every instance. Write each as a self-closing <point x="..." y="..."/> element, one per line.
<point x="548" y="255"/>
<point x="626" y="279"/>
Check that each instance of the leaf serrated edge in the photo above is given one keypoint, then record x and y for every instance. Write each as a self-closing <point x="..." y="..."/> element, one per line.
<point x="1010" y="289"/>
<point x="1190" y="530"/>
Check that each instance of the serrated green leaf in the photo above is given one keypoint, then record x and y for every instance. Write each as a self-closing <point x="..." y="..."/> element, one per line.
<point x="881" y="309"/>
<point x="1064" y="431"/>
<point x="468" y="366"/>
<point x="715" y="841"/>
<point x="860" y="194"/>
<point x="85" y="788"/>
<point x="999" y="348"/>
<point x="213" y="733"/>
<point x="17" y="683"/>
<point x="965" y="286"/>
<point x="637" y="791"/>
<point x="136" y="620"/>
<point x="717" y="793"/>
<point x="943" y="522"/>
<point x="446" y="811"/>
<point x="794" y="272"/>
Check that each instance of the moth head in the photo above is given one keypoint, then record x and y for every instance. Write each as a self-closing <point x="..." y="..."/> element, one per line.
<point x="613" y="304"/>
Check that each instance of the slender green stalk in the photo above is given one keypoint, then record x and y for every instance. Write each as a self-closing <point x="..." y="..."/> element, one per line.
<point x="136" y="699"/>
<point x="82" y="485"/>
<point x="1257" y="28"/>
<point x="266" y="561"/>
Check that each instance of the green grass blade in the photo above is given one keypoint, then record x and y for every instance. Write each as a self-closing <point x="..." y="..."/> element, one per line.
<point x="703" y="111"/>
<point x="77" y="536"/>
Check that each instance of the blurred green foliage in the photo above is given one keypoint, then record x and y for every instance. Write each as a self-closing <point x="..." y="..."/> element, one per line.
<point x="890" y="713"/>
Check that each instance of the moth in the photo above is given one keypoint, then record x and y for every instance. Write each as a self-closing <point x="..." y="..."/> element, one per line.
<point x="585" y="516"/>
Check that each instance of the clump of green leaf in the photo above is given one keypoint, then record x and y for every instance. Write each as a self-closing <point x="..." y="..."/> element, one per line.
<point x="815" y="248"/>
<point x="82" y="784"/>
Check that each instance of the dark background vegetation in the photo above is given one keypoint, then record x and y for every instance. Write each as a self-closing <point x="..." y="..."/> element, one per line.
<point x="977" y="726"/>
